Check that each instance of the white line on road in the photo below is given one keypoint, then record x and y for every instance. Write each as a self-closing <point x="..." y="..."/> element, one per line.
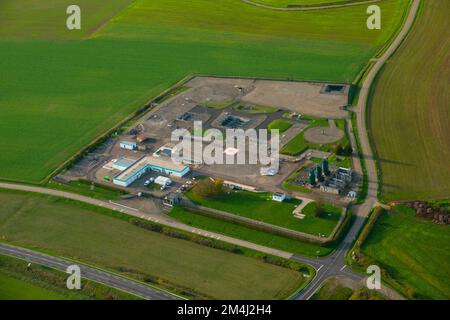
<point x="122" y="205"/>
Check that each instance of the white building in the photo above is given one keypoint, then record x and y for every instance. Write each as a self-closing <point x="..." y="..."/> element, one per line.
<point x="280" y="197"/>
<point x="163" y="181"/>
<point x="161" y="165"/>
<point x="128" y="145"/>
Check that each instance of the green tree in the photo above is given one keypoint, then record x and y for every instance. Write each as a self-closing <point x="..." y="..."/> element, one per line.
<point x="208" y="188"/>
<point x="319" y="210"/>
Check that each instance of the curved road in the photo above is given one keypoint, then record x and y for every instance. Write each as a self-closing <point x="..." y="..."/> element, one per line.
<point x="333" y="265"/>
<point x="337" y="261"/>
<point x="310" y="8"/>
<point x="106" y="278"/>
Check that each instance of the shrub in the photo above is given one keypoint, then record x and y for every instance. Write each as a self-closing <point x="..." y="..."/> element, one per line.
<point x="208" y="188"/>
<point x="319" y="210"/>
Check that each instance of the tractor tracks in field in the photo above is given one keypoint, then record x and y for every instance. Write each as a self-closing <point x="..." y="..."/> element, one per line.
<point x="311" y="7"/>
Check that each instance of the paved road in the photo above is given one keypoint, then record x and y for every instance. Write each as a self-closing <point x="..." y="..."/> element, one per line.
<point x="155" y="217"/>
<point x="103" y="277"/>
<point x="318" y="7"/>
<point x="335" y="264"/>
<point x="326" y="267"/>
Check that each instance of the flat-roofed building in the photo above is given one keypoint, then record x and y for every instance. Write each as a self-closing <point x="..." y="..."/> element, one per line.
<point x="123" y="163"/>
<point x="280" y="197"/>
<point x="128" y="145"/>
<point x="161" y="165"/>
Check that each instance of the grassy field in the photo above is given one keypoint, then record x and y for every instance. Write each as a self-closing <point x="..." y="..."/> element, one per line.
<point x="299" y="144"/>
<point x="344" y="161"/>
<point x="15" y="289"/>
<point x="36" y="19"/>
<point x="410" y="111"/>
<point x="75" y="231"/>
<point x="59" y="94"/>
<point x="86" y="188"/>
<point x="255" y="108"/>
<point x="332" y="289"/>
<point x="281" y="124"/>
<point x="285" y="3"/>
<point x="20" y="282"/>
<point x="415" y="252"/>
<point x="194" y="219"/>
<point x="260" y="206"/>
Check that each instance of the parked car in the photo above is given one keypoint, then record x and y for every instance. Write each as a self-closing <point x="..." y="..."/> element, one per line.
<point x="146" y="183"/>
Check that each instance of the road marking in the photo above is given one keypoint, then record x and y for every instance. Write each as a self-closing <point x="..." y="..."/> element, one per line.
<point x="343" y="267"/>
<point x="320" y="267"/>
<point x="121" y="205"/>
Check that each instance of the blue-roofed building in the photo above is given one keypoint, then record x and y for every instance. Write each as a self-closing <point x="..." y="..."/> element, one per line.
<point x="159" y="165"/>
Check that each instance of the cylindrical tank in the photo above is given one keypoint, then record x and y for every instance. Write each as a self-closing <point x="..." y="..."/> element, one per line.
<point x="319" y="173"/>
<point x="325" y="167"/>
<point x="312" y="177"/>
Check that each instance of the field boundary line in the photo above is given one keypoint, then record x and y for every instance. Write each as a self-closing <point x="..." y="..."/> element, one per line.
<point x="56" y="269"/>
<point x="95" y="29"/>
<point x="147" y="106"/>
<point x="88" y="265"/>
<point x="311" y="7"/>
<point x="371" y="92"/>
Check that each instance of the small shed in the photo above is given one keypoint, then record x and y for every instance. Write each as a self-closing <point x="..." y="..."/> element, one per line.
<point x="352" y="194"/>
<point x="128" y="145"/>
<point x="280" y="197"/>
<point x="172" y="199"/>
<point x="163" y="181"/>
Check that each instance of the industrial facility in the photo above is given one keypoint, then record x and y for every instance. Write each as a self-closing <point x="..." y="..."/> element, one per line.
<point x="150" y="163"/>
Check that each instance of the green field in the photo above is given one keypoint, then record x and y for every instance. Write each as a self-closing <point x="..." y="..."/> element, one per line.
<point x="285" y="3"/>
<point x="255" y="108"/>
<point x="86" y="188"/>
<point x="194" y="219"/>
<point x="299" y="144"/>
<point x="332" y="289"/>
<point x="216" y="105"/>
<point x="15" y="289"/>
<point x="414" y="252"/>
<point x="409" y="111"/>
<point x="260" y="206"/>
<point x="61" y="90"/>
<point x="280" y="124"/>
<point x="76" y="231"/>
<point x="36" y="19"/>
<point x="35" y="282"/>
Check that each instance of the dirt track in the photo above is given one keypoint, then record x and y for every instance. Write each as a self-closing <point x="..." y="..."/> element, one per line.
<point x="361" y="211"/>
<point x="309" y="8"/>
